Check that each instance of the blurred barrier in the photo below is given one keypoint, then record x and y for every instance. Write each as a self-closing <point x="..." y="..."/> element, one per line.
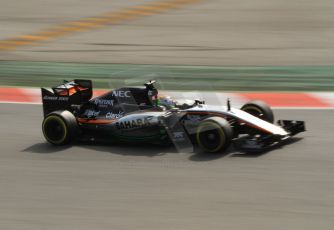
<point x="172" y="77"/>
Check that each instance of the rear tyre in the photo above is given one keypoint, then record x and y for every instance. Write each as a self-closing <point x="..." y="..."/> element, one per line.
<point x="60" y="127"/>
<point x="214" y="135"/>
<point x="259" y="109"/>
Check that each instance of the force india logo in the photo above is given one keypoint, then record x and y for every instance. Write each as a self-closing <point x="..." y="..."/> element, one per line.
<point x="137" y="123"/>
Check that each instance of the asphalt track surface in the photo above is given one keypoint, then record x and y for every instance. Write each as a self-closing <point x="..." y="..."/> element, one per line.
<point x="128" y="187"/>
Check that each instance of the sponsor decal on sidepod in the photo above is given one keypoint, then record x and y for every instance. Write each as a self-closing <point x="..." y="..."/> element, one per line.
<point x="103" y="102"/>
<point x="137" y="122"/>
<point x="91" y="113"/>
<point x="111" y="115"/>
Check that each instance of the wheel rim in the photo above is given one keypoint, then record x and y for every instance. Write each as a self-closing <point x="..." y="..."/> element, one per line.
<point x="210" y="137"/>
<point x="54" y="129"/>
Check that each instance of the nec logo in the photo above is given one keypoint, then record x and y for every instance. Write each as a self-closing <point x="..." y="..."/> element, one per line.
<point x="121" y="93"/>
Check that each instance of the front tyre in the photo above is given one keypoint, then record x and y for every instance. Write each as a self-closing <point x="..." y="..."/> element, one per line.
<point x="214" y="135"/>
<point x="259" y="109"/>
<point x="60" y="127"/>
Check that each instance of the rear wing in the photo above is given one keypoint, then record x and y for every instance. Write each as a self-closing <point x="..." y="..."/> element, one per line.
<point x="61" y="97"/>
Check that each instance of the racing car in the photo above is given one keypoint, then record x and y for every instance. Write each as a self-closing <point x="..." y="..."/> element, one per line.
<point x="141" y="115"/>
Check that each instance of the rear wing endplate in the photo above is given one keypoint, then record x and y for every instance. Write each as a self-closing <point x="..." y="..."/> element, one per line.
<point x="61" y="97"/>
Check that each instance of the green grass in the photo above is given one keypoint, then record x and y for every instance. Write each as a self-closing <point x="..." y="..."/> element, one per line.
<point x="171" y="77"/>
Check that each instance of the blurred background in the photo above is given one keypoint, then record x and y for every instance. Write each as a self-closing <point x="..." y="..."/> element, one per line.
<point x="218" y="44"/>
<point x="281" y="51"/>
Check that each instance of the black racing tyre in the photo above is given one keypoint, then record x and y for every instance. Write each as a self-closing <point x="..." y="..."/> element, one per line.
<point x="60" y="127"/>
<point x="214" y="135"/>
<point x="259" y="109"/>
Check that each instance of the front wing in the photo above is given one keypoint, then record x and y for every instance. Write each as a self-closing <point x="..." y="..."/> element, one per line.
<point x="258" y="143"/>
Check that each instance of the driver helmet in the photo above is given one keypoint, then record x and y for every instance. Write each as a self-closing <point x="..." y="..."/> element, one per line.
<point x="167" y="102"/>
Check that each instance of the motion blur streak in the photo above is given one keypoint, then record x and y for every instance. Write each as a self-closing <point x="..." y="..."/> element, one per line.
<point x="86" y="24"/>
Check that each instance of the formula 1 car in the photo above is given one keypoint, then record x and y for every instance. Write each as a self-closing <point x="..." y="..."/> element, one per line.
<point x="138" y="114"/>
